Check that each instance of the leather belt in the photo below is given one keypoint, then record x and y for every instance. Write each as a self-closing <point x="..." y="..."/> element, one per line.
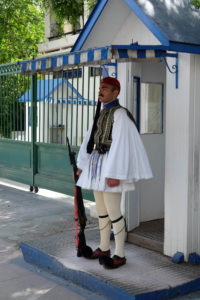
<point x="101" y="148"/>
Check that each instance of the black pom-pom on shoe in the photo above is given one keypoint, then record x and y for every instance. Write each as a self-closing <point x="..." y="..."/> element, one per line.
<point x="105" y="261"/>
<point x="86" y="251"/>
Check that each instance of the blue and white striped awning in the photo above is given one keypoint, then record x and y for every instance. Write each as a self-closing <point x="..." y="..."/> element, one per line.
<point x="92" y="57"/>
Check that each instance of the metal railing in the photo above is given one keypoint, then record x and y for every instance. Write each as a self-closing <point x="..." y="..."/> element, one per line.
<point x="64" y="104"/>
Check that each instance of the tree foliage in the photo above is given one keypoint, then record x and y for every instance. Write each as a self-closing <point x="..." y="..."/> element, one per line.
<point x="66" y="9"/>
<point x="91" y="4"/>
<point x="22" y="29"/>
<point x="12" y="112"/>
<point x="196" y="3"/>
<point x="69" y="10"/>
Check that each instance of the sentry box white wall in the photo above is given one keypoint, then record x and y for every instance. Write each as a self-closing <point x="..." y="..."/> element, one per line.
<point x="182" y="201"/>
<point x="173" y="193"/>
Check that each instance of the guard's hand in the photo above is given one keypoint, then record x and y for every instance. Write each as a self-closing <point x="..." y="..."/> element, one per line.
<point x="111" y="182"/>
<point x="79" y="171"/>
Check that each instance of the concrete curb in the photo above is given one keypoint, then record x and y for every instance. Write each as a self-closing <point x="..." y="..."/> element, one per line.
<point x="97" y="285"/>
<point x="87" y="281"/>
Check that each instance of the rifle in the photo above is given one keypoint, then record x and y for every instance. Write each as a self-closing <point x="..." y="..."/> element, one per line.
<point x="79" y="211"/>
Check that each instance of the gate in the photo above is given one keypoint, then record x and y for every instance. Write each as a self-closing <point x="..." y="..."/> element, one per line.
<point x="37" y="113"/>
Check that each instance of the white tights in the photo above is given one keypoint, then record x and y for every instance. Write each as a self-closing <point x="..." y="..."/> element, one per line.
<point x="108" y="209"/>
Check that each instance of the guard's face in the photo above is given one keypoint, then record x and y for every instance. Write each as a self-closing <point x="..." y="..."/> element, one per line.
<point x="106" y="93"/>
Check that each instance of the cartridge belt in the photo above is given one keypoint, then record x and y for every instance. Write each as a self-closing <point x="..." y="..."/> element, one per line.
<point x="101" y="148"/>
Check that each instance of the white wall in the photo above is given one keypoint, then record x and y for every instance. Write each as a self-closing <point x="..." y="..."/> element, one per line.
<point x="194" y="159"/>
<point x="152" y="191"/>
<point x="126" y="27"/>
<point x="139" y="33"/>
<point x="46" y="125"/>
<point x="123" y="71"/>
<point x="147" y="201"/>
<point x="182" y="209"/>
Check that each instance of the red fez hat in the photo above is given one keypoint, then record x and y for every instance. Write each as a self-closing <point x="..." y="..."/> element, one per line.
<point x="111" y="81"/>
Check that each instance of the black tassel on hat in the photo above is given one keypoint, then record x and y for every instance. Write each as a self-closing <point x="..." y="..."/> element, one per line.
<point x="90" y="145"/>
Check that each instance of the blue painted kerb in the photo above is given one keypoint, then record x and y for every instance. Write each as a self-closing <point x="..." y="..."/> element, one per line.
<point x="87" y="281"/>
<point x="94" y="284"/>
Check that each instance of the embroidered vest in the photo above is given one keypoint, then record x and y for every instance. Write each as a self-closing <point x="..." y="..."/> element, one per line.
<point x="103" y="133"/>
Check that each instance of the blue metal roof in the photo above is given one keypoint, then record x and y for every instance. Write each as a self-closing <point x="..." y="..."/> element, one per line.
<point x="176" y="19"/>
<point x="45" y="89"/>
<point x="169" y="21"/>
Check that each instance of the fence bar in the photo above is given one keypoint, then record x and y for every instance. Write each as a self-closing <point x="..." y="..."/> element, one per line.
<point x="20" y="106"/>
<point x="4" y="108"/>
<point x="77" y="104"/>
<point x="57" y="111"/>
<point x="67" y="105"/>
<point x="25" y="129"/>
<point x="72" y="105"/>
<point x="88" y="98"/>
<point x="52" y="111"/>
<point x="10" y="106"/>
<point x="43" y="123"/>
<point x="33" y="124"/>
<point x="94" y="90"/>
<point x="61" y="121"/>
<point x="1" y="111"/>
<point x="17" y="105"/>
<point x="39" y="106"/>
<point x="29" y="114"/>
<point x="47" y="123"/>
<point x="13" y="102"/>
<point x="82" y="104"/>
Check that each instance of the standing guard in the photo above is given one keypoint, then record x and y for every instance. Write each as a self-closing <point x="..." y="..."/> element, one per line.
<point x="111" y="159"/>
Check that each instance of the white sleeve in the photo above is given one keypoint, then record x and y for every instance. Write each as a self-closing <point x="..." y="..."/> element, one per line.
<point x="127" y="158"/>
<point x="83" y="156"/>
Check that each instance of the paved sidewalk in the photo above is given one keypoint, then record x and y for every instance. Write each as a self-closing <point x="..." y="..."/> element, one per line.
<point x="45" y="222"/>
<point x="25" y="215"/>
